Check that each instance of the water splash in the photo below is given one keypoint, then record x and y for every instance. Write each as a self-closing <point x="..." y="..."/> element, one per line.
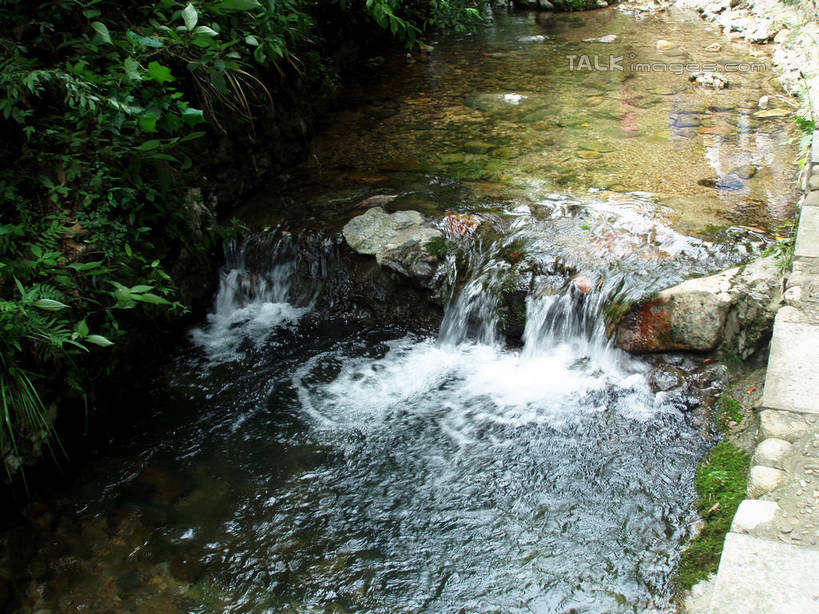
<point x="249" y="306"/>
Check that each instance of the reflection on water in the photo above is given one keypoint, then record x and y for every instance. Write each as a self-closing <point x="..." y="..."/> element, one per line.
<point x="501" y="113"/>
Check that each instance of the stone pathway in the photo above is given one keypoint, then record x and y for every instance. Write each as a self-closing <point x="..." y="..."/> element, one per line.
<point x="770" y="562"/>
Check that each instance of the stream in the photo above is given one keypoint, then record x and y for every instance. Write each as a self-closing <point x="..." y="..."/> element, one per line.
<point x="300" y="462"/>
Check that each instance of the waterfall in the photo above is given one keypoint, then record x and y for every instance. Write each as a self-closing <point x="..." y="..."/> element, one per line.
<point x="249" y="305"/>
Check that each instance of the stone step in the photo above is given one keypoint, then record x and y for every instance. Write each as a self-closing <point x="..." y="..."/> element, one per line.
<point x="807" y="239"/>
<point x="792" y="380"/>
<point x="759" y="576"/>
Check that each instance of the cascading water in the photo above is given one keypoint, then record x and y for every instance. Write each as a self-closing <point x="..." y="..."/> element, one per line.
<point x="443" y="474"/>
<point x="249" y="306"/>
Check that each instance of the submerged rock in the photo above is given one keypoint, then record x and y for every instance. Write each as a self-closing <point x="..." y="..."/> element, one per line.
<point x="378" y="200"/>
<point x="709" y="79"/>
<point x="608" y="38"/>
<point x="399" y="241"/>
<point x="732" y="311"/>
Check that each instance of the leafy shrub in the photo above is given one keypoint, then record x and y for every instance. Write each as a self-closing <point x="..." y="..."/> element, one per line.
<point x="100" y="105"/>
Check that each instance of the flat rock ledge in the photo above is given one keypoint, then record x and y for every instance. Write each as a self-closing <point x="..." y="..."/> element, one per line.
<point x="732" y="311"/>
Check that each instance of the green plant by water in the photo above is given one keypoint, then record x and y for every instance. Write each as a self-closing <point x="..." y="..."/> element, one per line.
<point x="101" y="109"/>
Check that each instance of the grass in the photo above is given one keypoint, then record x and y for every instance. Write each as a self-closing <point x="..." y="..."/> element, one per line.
<point x="728" y="410"/>
<point x="721" y="480"/>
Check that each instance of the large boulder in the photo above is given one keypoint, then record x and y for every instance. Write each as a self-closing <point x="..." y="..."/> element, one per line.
<point x="731" y="311"/>
<point x="399" y="241"/>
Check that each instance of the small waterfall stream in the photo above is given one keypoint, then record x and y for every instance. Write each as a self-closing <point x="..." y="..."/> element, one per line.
<point x="434" y="473"/>
<point x="306" y="453"/>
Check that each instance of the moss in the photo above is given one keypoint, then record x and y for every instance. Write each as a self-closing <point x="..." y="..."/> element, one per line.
<point x="438" y="247"/>
<point x="732" y="361"/>
<point x="728" y="410"/>
<point x="513" y="252"/>
<point x="721" y="480"/>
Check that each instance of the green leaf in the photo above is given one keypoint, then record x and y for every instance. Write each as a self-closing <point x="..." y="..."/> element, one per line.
<point x="239" y="5"/>
<point x="149" y="145"/>
<point x="148" y="297"/>
<point x="190" y="16"/>
<point x="206" y="31"/>
<point x="148" y="123"/>
<point x="159" y="73"/>
<point x="85" y="266"/>
<point x="49" y="304"/>
<point x="140" y="289"/>
<point x="81" y="328"/>
<point x="163" y="156"/>
<point x="102" y="31"/>
<point x="143" y="41"/>
<point x="192" y="136"/>
<point x="193" y="116"/>
<point x="131" y="67"/>
<point x="99" y="340"/>
<point x="252" y="40"/>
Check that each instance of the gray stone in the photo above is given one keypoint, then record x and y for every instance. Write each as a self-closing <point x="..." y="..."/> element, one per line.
<point x="398" y="242"/>
<point x="369" y="232"/>
<point x="762" y="480"/>
<point x="536" y="38"/>
<point x="709" y="79"/>
<point x="746" y="171"/>
<point x="608" y="38"/>
<point x="781" y="425"/>
<point x="814" y="150"/>
<point x="771" y="452"/>
<point x="751" y="513"/>
<point x="733" y="309"/>
<point x="405" y="253"/>
<point x="813" y="181"/>
<point x="811" y="200"/>
<point x="697" y="600"/>
<point x="792" y="378"/>
<point x="758" y="576"/>
<point x="807" y="238"/>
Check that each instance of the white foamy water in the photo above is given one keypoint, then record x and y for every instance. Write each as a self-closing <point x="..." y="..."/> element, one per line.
<point x="248" y="309"/>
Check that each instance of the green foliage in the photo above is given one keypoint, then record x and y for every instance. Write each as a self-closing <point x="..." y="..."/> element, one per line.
<point x="784" y="245"/>
<point x="456" y="15"/>
<point x="721" y="481"/>
<point x="804" y="124"/>
<point x="728" y="410"/>
<point x="99" y="102"/>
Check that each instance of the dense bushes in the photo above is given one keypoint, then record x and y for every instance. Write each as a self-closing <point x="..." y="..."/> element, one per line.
<point x="101" y="104"/>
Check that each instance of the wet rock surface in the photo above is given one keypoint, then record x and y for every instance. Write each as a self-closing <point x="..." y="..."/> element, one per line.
<point x="732" y="310"/>
<point x="399" y="241"/>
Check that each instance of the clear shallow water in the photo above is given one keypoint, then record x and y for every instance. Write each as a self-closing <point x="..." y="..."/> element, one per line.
<point x="499" y="118"/>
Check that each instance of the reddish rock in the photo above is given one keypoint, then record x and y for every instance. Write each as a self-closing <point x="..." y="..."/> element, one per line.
<point x="583" y="283"/>
<point x="647" y="328"/>
<point x="461" y="223"/>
